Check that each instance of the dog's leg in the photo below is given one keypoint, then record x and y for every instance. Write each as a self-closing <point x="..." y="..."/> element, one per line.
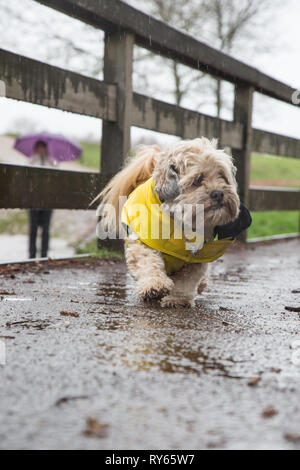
<point x="147" y="267"/>
<point x="186" y="282"/>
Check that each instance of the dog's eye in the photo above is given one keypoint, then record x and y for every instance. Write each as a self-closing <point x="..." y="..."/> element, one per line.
<point x="224" y="178"/>
<point x="198" y="181"/>
<point x="173" y="168"/>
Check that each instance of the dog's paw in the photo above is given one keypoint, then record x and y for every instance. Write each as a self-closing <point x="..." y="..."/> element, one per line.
<point x="154" y="289"/>
<point x="171" y="301"/>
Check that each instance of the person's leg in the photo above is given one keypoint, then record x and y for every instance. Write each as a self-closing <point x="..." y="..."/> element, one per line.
<point x="33" y="228"/>
<point x="46" y="218"/>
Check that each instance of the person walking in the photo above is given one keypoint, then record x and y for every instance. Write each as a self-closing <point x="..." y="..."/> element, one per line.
<point x="45" y="150"/>
<point x="40" y="217"/>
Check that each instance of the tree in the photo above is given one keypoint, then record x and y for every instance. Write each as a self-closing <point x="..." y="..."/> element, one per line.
<point x="184" y="16"/>
<point x="229" y="25"/>
<point x="237" y="25"/>
<point x="30" y="28"/>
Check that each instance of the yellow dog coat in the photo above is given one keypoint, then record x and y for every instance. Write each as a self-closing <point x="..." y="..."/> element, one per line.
<point x="142" y="208"/>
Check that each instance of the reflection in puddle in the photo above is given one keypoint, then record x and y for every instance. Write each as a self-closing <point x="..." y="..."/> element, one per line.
<point x="113" y="291"/>
<point x="112" y="294"/>
<point x="110" y="325"/>
<point x="154" y="339"/>
<point x="170" y="358"/>
<point x="152" y="348"/>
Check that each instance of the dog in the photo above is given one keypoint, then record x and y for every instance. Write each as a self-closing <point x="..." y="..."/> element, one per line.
<point x="191" y="172"/>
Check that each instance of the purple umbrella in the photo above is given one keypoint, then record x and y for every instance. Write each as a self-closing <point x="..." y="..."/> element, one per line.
<point x="59" y="148"/>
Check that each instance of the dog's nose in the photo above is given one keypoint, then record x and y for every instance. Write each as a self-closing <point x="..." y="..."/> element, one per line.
<point x="217" y="195"/>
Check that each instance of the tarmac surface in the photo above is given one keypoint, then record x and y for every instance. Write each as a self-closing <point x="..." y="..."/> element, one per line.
<point x="89" y="367"/>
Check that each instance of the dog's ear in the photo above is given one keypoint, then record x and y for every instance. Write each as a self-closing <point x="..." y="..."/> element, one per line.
<point x="167" y="186"/>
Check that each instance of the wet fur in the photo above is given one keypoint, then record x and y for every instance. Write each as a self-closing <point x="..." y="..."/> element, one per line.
<point x="175" y="170"/>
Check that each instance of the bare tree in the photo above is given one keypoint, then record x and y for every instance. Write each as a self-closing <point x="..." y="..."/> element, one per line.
<point x="184" y="16"/>
<point x="30" y="29"/>
<point x="236" y="27"/>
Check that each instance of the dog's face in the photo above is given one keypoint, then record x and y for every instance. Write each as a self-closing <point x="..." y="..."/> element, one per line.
<point x="195" y="172"/>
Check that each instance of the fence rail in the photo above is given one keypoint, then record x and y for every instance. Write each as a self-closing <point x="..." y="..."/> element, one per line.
<point x="114" y="101"/>
<point x="38" y="83"/>
<point x="32" y="187"/>
<point x="275" y="144"/>
<point x="29" y="188"/>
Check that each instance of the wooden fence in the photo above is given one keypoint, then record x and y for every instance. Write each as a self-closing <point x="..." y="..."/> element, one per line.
<point x="114" y="101"/>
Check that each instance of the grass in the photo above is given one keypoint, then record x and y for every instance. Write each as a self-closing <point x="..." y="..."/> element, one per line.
<point x="92" y="248"/>
<point x="267" y="168"/>
<point x="90" y="155"/>
<point x="13" y="222"/>
<point x="266" y="224"/>
<point x="270" y="168"/>
<point x="263" y="167"/>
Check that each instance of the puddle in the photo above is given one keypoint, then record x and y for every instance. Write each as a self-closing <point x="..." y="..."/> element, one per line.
<point x="16" y="299"/>
<point x="111" y="326"/>
<point x="174" y="360"/>
<point x="112" y="291"/>
<point x="165" y="354"/>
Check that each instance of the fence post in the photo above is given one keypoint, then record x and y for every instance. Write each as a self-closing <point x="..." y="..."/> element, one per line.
<point x="118" y="64"/>
<point x="243" y="107"/>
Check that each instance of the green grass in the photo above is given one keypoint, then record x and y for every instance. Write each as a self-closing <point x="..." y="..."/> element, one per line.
<point x="270" y="168"/>
<point x="267" y="168"/>
<point x="266" y="224"/>
<point x="15" y="136"/>
<point x="92" y="248"/>
<point x="263" y="167"/>
<point x="91" y="155"/>
<point x="14" y="222"/>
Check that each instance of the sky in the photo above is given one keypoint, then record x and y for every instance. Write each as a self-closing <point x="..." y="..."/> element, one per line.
<point x="283" y="63"/>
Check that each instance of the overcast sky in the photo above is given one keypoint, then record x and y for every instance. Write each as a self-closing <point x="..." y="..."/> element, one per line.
<point x="283" y="63"/>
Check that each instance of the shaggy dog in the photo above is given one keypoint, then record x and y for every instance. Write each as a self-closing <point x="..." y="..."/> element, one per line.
<point x="189" y="172"/>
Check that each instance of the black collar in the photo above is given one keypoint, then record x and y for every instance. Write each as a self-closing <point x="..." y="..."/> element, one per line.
<point x="233" y="229"/>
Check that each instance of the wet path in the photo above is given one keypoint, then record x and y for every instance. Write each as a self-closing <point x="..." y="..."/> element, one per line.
<point x="15" y="247"/>
<point x="218" y="376"/>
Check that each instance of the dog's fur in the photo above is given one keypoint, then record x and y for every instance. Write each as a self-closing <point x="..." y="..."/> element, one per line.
<point x="185" y="173"/>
